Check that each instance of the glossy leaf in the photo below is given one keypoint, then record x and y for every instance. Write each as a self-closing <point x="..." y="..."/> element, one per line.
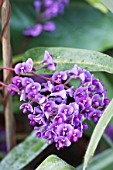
<point x="97" y="134"/>
<point x="23" y="153"/>
<point x="108" y="4"/>
<point x="102" y="161"/>
<point x="97" y="4"/>
<point x="54" y="163"/>
<point x="67" y="57"/>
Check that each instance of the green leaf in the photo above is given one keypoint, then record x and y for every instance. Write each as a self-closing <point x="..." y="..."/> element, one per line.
<point x="108" y="4"/>
<point x="97" y="134"/>
<point x="54" y="163"/>
<point x="76" y="28"/>
<point x="97" y="4"/>
<point x="67" y="57"/>
<point x="102" y="161"/>
<point x="23" y="153"/>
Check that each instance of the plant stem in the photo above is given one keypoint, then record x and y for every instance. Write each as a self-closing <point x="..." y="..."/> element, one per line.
<point x="7" y="61"/>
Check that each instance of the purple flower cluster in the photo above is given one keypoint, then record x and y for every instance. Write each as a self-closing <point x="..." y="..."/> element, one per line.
<point x="55" y="109"/>
<point x="46" y="10"/>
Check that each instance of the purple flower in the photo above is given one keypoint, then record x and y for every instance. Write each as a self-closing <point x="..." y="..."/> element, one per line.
<point x="34" y="31"/>
<point x="49" y="106"/>
<point x="26" y="81"/>
<point x="17" y="81"/>
<point x="37" y="4"/>
<point x="62" y="141"/>
<point x="26" y="107"/>
<point x="40" y="98"/>
<point x="51" y="11"/>
<point x="33" y="87"/>
<point x="74" y="134"/>
<point x="29" y="62"/>
<point x="61" y="94"/>
<point x="47" y="58"/>
<point x="47" y="87"/>
<point x="58" y="88"/>
<point x="11" y="87"/>
<point x="49" y="26"/>
<point x="51" y="66"/>
<point x="109" y="131"/>
<point x="48" y="3"/>
<point x="59" y="76"/>
<point x="21" y="68"/>
<point x="64" y="129"/>
<point x="60" y="118"/>
<point x="65" y="109"/>
<point x="57" y="110"/>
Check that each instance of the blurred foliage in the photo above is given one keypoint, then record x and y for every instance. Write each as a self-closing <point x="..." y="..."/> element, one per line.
<point x="81" y="26"/>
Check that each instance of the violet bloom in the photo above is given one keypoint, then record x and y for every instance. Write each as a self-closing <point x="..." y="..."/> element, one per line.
<point x="37" y="5"/>
<point x="40" y="98"/>
<point x="49" y="26"/>
<point x="48" y="106"/>
<point x="12" y="88"/>
<point x="48" y="3"/>
<point x="47" y="87"/>
<point x="60" y="118"/>
<point x="26" y="107"/>
<point x="29" y="62"/>
<point x="109" y="131"/>
<point x="74" y="134"/>
<point x="51" y="66"/>
<point x="61" y="94"/>
<point x="59" y="76"/>
<point x="33" y="87"/>
<point x="62" y="141"/>
<point x="52" y="11"/>
<point x="47" y="58"/>
<point x="17" y="81"/>
<point x="34" y="31"/>
<point x="58" y="88"/>
<point x="65" y="109"/>
<point x="21" y="68"/>
<point x="58" y="110"/>
<point x="26" y="81"/>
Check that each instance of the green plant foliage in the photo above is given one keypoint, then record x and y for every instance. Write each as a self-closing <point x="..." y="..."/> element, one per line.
<point x="108" y="4"/>
<point x="76" y="28"/>
<point x="23" y="153"/>
<point x="54" y="163"/>
<point x="97" y="134"/>
<point x="102" y="161"/>
<point x="67" y="57"/>
<point x="97" y="4"/>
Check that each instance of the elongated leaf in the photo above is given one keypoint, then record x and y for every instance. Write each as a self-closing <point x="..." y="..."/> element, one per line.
<point x="98" y="131"/>
<point x="54" y="163"/>
<point x="108" y="4"/>
<point x="23" y="153"/>
<point x="102" y="161"/>
<point x="97" y="4"/>
<point x="67" y="57"/>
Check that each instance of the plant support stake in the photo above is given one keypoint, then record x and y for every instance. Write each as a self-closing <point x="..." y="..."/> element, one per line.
<point x="7" y="60"/>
